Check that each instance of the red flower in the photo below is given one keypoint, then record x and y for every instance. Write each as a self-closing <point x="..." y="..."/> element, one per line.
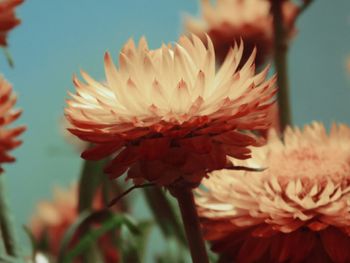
<point x="8" y="136"/>
<point x="169" y="115"/>
<point x="227" y="21"/>
<point x="8" y="19"/>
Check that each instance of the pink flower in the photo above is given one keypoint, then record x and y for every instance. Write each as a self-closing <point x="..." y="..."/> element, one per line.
<point x="297" y="210"/>
<point x="169" y="115"/>
<point x="227" y="21"/>
<point x="8" y="136"/>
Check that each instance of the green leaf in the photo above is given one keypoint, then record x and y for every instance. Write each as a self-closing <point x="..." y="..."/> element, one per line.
<point x="68" y="236"/>
<point x="164" y="214"/>
<point x="133" y="247"/>
<point x="110" y="221"/>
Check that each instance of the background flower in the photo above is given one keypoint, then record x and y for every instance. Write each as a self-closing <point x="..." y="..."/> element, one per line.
<point x="297" y="210"/>
<point x="8" y="19"/>
<point x="8" y="136"/>
<point x="52" y="219"/>
<point x="169" y="114"/>
<point x="227" y="21"/>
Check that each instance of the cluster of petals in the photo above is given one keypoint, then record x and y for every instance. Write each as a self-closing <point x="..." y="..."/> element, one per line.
<point x="8" y="19"/>
<point x="53" y="218"/>
<point x="8" y="136"/>
<point x="226" y="21"/>
<point x="296" y="210"/>
<point x="169" y="114"/>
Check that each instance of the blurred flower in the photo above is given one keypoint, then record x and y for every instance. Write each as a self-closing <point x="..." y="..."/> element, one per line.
<point x="229" y="20"/>
<point x="297" y="210"/>
<point x="8" y="136"/>
<point x="8" y="19"/>
<point x="169" y="114"/>
<point x="53" y="218"/>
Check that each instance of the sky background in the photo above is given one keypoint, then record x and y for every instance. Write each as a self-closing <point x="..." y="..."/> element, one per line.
<point x="58" y="38"/>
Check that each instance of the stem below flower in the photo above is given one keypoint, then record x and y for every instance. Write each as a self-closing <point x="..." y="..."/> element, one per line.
<point x="6" y="224"/>
<point x="190" y="220"/>
<point x="281" y="65"/>
<point x="164" y="213"/>
<point x="90" y="180"/>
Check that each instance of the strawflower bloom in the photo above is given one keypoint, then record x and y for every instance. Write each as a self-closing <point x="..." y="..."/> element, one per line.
<point x="227" y="21"/>
<point x="8" y="19"/>
<point x="169" y="115"/>
<point x="53" y="218"/>
<point x="8" y="136"/>
<point x="297" y="210"/>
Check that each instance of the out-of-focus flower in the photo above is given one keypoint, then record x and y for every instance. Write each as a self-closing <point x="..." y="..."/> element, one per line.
<point x="8" y="136"/>
<point x="229" y="20"/>
<point x="8" y="19"/>
<point x="297" y="210"/>
<point x="53" y="218"/>
<point x="168" y="114"/>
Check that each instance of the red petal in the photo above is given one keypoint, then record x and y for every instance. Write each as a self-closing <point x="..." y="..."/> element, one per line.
<point x="198" y="144"/>
<point x="336" y="243"/>
<point x="102" y="150"/>
<point x="153" y="149"/>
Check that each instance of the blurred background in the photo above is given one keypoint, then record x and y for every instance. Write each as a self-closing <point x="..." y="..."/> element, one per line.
<point x="58" y="38"/>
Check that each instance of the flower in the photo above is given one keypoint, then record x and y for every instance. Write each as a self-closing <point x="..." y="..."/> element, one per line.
<point x="8" y="19"/>
<point x="8" y="136"/>
<point x="229" y="20"/>
<point x="53" y="218"/>
<point x="297" y="210"/>
<point x="168" y="115"/>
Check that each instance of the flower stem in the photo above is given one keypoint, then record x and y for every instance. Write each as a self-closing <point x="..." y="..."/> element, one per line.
<point x="90" y="180"/>
<point x="6" y="224"/>
<point x="190" y="220"/>
<point x="164" y="213"/>
<point x="281" y="64"/>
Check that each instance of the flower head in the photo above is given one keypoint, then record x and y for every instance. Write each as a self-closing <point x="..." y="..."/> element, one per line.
<point x="8" y="19"/>
<point x="297" y="210"/>
<point x="229" y="20"/>
<point x="168" y="114"/>
<point x="53" y="218"/>
<point x="8" y="136"/>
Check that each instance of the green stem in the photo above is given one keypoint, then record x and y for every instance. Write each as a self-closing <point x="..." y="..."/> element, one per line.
<point x="8" y="57"/>
<point x="164" y="213"/>
<point x="7" y="225"/>
<point x="90" y="180"/>
<point x="190" y="220"/>
<point x="281" y="64"/>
